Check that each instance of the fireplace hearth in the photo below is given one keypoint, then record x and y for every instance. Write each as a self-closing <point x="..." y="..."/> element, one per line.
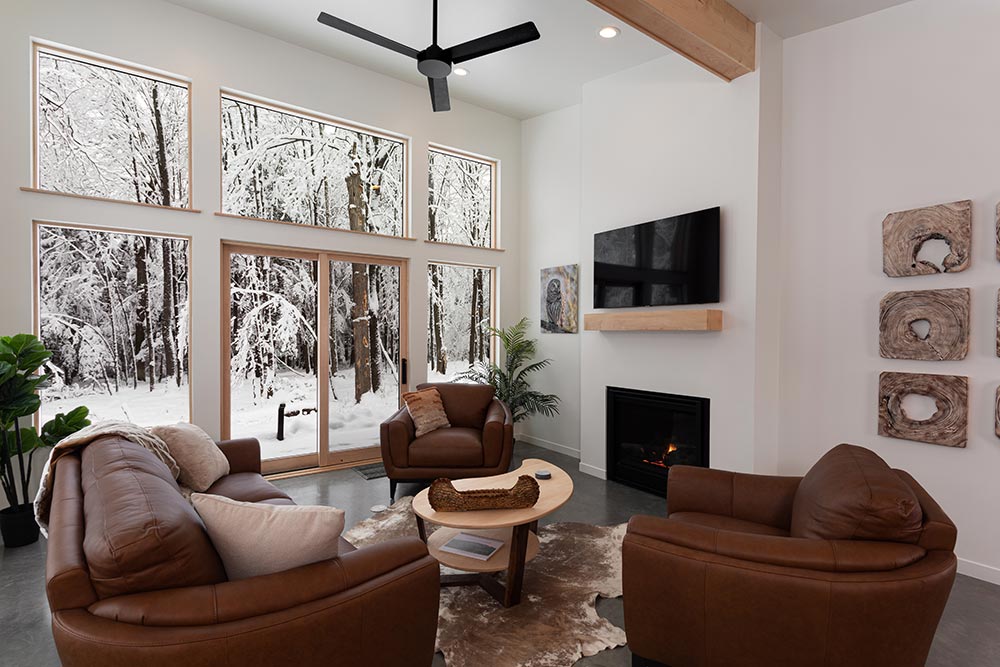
<point x="649" y="431"/>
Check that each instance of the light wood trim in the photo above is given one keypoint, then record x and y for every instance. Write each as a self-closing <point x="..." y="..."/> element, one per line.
<point x="80" y="55"/>
<point x="553" y="494"/>
<point x="303" y="226"/>
<point x="710" y="33"/>
<point x="465" y="245"/>
<point x="109" y="200"/>
<point x="326" y="119"/>
<point x="321" y="469"/>
<point x="654" y="320"/>
<point x="323" y="271"/>
<point x="36" y="315"/>
<point x="494" y="166"/>
<point x="498" y="562"/>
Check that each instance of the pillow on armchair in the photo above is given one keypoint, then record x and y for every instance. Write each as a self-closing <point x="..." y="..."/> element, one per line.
<point x="426" y="410"/>
<point x="852" y="494"/>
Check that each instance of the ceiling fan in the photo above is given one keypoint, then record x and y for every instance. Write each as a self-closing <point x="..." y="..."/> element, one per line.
<point x="434" y="62"/>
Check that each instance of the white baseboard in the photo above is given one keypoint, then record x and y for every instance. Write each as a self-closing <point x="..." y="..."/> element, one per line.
<point x="600" y="473"/>
<point x="548" y="444"/>
<point x="979" y="571"/>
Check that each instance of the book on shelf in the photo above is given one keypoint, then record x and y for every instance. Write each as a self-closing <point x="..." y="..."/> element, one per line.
<point x="472" y="546"/>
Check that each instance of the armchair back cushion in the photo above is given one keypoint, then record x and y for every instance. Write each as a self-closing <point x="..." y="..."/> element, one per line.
<point x="140" y="533"/>
<point x="465" y="404"/>
<point x="852" y="494"/>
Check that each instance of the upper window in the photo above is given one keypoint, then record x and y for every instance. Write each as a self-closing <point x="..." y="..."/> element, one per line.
<point x="286" y="166"/>
<point x="461" y="201"/>
<point x="110" y="131"/>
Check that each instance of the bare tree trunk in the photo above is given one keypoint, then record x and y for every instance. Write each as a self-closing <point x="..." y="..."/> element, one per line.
<point x="477" y="288"/>
<point x="436" y="353"/>
<point x="143" y="324"/>
<point x="161" y="149"/>
<point x="167" y="313"/>
<point x="358" y="214"/>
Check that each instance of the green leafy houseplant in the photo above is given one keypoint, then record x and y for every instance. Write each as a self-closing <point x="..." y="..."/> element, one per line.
<point x="21" y="357"/>
<point x="511" y="380"/>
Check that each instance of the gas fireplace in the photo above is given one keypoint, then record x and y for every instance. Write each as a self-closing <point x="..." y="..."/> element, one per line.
<point x="648" y="432"/>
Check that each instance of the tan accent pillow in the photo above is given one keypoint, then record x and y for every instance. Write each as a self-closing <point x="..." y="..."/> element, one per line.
<point x="426" y="410"/>
<point x="200" y="460"/>
<point x="254" y="539"/>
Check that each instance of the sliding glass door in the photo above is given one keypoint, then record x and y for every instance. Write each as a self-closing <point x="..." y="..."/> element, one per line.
<point x="314" y="352"/>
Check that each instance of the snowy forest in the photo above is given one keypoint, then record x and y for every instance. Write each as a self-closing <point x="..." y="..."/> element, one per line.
<point x="460" y="200"/>
<point x="113" y="309"/>
<point x="458" y="319"/>
<point x="104" y="132"/>
<point x="283" y="166"/>
<point x="274" y="334"/>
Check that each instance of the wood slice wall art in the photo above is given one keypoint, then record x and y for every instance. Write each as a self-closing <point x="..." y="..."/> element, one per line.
<point x="944" y="314"/>
<point x="948" y="425"/>
<point x="905" y="232"/>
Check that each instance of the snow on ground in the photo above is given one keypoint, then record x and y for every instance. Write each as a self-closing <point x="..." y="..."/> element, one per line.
<point x="454" y="369"/>
<point x="166" y="404"/>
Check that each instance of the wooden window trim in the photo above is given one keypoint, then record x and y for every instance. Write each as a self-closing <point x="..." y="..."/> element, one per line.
<point x="494" y="166"/>
<point x="494" y="303"/>
<point x="41" y="46"/>
<point x="36" y="313"/>
<point x="316" y="116"/>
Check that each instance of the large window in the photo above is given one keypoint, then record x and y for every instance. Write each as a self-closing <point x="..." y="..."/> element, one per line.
<point x="461" y="199"/>
<point x="459" y="315"/>
<point x="113" y="309"/>
<point x="109" y="131"/>
<point x="292" y="167"/>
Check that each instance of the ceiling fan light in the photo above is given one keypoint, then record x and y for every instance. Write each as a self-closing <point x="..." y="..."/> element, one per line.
<point x="609" y="32"/>
<point x="460" y="71"/>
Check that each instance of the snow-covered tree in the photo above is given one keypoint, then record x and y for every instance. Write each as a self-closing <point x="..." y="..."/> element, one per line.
<point x="460" y="200"/>
<point x="459" y="317"/>
<point x="105" y="132"/>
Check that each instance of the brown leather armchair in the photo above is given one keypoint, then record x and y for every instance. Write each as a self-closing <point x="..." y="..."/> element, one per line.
<point x="132" y="578"/>
<point x="479" y="443"/>
<point x="721" y="582"/>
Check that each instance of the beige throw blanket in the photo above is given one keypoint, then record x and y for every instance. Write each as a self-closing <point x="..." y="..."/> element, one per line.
<point x="81" y="439"/>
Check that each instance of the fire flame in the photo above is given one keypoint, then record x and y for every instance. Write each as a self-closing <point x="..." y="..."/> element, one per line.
<point x="662" y="462"/>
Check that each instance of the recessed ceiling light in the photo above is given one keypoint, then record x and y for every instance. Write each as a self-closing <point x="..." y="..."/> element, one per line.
<point x="609" y="32"/>
<point x="460" y="71"/>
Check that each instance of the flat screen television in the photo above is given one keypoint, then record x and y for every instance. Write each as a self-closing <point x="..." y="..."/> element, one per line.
<point x="660" y="263"/>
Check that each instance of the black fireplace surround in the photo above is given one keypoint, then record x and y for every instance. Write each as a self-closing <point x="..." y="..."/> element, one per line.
<point x="649" y="431"/>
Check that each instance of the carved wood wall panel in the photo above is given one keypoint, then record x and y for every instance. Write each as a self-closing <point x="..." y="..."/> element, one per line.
<point x="948" y="426"/>
<point x="904" y="232"/>
<point x="946" y="313"/>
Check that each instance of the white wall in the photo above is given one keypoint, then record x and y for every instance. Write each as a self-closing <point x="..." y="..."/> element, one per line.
<point x="215" y="54"/>
<point x="550" y="236"/>
<point x="892" y="111"/>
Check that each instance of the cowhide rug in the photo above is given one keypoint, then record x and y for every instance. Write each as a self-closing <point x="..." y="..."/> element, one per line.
<point x="556" y="623"/>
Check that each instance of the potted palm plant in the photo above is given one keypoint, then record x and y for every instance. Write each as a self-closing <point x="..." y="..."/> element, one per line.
<point x="512" y="380"/>
<point x="20" y="358"/>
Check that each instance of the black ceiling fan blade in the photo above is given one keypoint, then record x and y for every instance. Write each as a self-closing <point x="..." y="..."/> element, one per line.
<point x="367" y="35"/>
<point x="498" y="41"/>
<point x="440" y="101"/>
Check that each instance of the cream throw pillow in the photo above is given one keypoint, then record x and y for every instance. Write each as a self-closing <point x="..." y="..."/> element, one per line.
<point x="257" y="538"/>
<point x="200" y="460"/>
<point x="426" y="410"/>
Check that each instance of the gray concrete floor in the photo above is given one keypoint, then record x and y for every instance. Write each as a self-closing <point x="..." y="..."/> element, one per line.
<point x="966" y="637"/>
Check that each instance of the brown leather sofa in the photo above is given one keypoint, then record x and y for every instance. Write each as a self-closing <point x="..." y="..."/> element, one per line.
<point x="479" y="443"/>
<point x="723" y="581"/>
<point x="132" y="578"/>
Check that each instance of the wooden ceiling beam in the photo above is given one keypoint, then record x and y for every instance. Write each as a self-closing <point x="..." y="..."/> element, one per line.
<point x="710" y="33"/>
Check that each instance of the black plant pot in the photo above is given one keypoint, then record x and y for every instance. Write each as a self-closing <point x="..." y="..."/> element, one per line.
<point x="17" y="525"/>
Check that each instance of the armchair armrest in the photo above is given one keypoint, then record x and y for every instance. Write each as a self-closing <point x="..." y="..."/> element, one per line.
<point x="398" y="559"/>
<point x="806" y="554"/>
<point x="759" y="498"/>
<point x="396" y="433"/>
<point x="498" y="435"/>
<point x="243" y="454"/>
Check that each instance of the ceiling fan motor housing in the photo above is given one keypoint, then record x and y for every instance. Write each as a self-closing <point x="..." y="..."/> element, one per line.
<point x="432" y="62"/>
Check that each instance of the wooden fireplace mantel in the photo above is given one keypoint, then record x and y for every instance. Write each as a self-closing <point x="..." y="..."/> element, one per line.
<point x="654" y="320"/>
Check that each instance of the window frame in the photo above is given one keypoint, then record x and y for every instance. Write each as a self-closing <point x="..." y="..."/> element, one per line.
<point x="327" y="119"/>
<point x="494" y="165"/>
<point x="36" y="286"/>
<point x="494" y="302"/>
<point x="39" y="46"/>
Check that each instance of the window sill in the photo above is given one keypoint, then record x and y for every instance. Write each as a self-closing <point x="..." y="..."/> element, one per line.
<point x="109" y="200"/>
<point x="301" y="226"/>
<point x="466" y="246"/>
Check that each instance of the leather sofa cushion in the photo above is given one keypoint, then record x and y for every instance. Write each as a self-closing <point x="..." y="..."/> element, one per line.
<point x="454" y="447"/>
<point x="852" y="494"/>
<point x="466" y="404"/>
<point x="249" y="487"/>
<point x="720" y="522"/>
<point x="140" y="533"/>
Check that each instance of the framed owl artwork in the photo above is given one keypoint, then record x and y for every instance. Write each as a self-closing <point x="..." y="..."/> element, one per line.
<point x="560" y="296"/>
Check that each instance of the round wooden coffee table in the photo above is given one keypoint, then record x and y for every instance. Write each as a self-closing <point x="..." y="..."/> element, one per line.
<point x="517" y="528"/>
